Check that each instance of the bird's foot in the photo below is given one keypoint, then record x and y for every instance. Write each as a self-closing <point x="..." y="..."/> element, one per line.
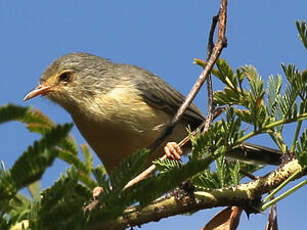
<point x="96" y="192"/>
<point x="95" y="201"/>
<point x="173" y="151"/>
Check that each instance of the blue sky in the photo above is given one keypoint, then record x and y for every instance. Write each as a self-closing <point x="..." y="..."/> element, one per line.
<point x="160" y="36"/>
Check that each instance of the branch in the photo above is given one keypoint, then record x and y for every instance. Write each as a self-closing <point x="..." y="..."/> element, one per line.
<point x="244" y="195"/>
<point x="221" y="43"/>
<point x="212" y="56"/>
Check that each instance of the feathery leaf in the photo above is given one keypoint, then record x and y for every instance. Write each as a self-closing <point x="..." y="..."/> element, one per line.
<point x="301" y="27"/>
<point x="32" y="163"/>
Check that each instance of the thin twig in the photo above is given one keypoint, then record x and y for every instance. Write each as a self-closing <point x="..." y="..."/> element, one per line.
<point x="221" y="42"/>
<point x="216" y="51"/>
<point x="210" y="47"/>
<point x="211" y="35"/>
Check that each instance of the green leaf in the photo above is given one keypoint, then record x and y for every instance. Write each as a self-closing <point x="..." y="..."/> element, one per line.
<point x="35" y="120"/>
<point x="225" y="74"/>
<point x="235" y="173"/>
<point x="244" y="115"/>
<point x="69" y="144"/>
<point x="101" y="177"/>
<point x="256" y="103"/>
<point x="230" y="97"/>
<point x="12" y="112"/>
<point x="226" y="174"/>
<point x="40" y="151"/>
<point x="35" y="189"/>
<point x="296" y="79"/>
<point x="255" y="81"/>
<point x="20" y="208"/>
<point x="221" y="169"/>
<point x="71" y="159"/>
<point x="148" y="189"/>
<point x="128" y="169"/>
<point x="206" y="180"/>
<point x="231" y="128"/>
<point x="286" y="106"/>
<point x="206" y="144"/>
<point x="273" y="90"/>
<point x="74" y="160"/>
<point x="301" y="151"/>
<point x="58" y="201"/>
<point x="164" y="165"/>
<point x="233" y="92"/>
<point x="166" y="181"/>
<point x="32" y="163"/>
<point x="301" y="27"/>
<point x="87" y="157"/>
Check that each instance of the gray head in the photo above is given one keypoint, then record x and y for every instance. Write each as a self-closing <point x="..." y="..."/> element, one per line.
<point x="75" y="77"/>
<point x="75" y="80"/>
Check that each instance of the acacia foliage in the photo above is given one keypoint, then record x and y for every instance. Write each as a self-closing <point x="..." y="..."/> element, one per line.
<point x="265" y="108"/>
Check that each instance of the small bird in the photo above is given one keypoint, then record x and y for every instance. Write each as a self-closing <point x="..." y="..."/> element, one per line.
<point x="118" y="108"/>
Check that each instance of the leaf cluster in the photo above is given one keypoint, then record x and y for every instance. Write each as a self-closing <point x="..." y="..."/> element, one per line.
<point x="264" y="109"/>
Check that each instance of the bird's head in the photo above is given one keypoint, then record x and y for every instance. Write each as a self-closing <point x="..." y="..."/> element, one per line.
<point x="72" y="80"/>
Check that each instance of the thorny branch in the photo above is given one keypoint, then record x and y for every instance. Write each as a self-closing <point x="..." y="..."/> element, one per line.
<point x="244" y="195"/>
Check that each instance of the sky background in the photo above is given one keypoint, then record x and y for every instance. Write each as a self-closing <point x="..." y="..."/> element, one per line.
<point x="160" y="36"/>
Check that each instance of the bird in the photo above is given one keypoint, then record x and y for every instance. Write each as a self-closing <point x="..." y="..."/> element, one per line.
<point x="118" y="108"/>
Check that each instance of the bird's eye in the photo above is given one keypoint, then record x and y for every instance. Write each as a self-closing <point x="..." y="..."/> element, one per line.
<point x="65" y="77"/>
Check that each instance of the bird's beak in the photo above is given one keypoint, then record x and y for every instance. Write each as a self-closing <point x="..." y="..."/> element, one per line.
<point x="41" y="89"/>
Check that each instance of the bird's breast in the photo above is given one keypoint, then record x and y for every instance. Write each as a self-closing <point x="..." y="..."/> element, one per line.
<point x="119" y="123"/>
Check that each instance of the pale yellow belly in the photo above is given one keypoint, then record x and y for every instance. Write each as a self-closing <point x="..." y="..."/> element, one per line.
<point x="123" y="127"/>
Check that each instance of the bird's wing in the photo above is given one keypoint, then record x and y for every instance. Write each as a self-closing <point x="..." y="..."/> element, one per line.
<point x="159" y="94"/>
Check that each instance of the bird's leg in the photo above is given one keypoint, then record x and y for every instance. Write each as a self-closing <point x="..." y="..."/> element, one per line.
<point x="96" y="192"/>
<point x="173" y="151"/>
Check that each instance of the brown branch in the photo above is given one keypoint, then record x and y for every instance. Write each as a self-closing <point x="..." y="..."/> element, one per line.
<point x="244" y="195"/>
<point x="210" y="47"/>
<point x="221" y="43"/>
<point x="213" y="54"/>
<point x="211" y="35"/>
